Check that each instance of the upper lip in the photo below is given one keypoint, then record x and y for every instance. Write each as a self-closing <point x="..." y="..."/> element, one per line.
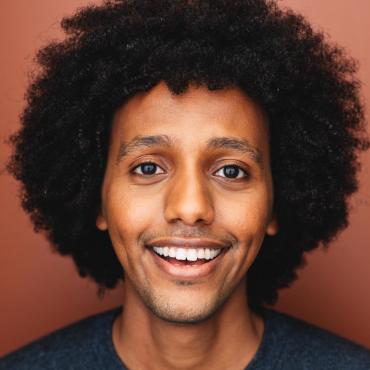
<point x="188" y="243"/>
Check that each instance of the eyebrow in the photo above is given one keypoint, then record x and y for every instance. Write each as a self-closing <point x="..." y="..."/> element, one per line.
<point x="143" y="142"/>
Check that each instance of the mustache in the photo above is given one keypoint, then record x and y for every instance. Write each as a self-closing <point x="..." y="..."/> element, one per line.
<point x="188" y="232"/>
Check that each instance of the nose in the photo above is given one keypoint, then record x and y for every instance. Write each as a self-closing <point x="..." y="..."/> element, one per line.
<point x="188" y="199"/>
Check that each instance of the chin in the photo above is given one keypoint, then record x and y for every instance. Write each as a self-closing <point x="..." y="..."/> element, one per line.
<point x="181" y="316"/>
<point x="184" y="310"/>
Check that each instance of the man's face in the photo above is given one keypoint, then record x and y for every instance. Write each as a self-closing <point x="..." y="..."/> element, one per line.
<point x="197" y="187"/>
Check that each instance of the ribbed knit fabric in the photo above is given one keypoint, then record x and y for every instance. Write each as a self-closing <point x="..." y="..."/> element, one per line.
<point x="287" y="344"/>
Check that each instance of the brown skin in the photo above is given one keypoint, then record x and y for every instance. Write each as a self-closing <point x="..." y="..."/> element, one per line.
<point x="204" y="323"/>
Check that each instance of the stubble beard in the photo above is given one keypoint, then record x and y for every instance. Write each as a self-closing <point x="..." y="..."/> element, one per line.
<point x="168" y="311"/>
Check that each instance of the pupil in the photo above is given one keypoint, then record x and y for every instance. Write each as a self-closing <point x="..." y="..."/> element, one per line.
<point x="231" y="171"/>
<point x="148" y="169"/>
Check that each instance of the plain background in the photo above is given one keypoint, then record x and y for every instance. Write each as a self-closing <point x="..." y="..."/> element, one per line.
<point x="41" y="291"/>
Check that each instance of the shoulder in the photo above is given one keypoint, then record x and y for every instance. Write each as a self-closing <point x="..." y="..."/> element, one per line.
<point x="306" y="346"/>
<point x="81" y="345"/>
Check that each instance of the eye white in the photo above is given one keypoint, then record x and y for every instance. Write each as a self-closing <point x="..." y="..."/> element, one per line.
<point x="139" y="166"/>
<point x="241" y="173"/>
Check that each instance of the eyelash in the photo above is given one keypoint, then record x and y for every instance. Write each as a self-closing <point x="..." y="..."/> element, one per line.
<point x="245" y="177"/>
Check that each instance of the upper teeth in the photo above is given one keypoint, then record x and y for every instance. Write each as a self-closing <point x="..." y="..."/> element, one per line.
<point x="187" y="254"/>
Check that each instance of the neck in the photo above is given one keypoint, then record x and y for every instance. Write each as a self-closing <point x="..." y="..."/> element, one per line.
<point x="229" y="339"/>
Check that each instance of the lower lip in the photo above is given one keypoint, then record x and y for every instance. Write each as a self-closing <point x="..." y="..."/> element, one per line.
<point x="188" y="271"/>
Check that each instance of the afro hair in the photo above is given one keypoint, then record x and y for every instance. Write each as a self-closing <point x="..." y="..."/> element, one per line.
<point x="306" y="86"/>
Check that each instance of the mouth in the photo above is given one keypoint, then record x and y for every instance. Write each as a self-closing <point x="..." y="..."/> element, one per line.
<point x="187" y="263"/>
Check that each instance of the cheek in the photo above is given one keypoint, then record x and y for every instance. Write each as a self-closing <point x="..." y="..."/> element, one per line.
<point x="246" y="215"/>
<point x="129" y="212"/>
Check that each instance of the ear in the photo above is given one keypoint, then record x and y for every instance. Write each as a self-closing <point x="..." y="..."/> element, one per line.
<point x="273" y="226"/>
<point x="101" y="222"/>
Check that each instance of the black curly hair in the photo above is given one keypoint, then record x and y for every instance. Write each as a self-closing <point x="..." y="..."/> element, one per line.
<point x="305" y="85"/>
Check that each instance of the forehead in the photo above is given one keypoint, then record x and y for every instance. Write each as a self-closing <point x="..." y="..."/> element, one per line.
<point x="192" y="117"/>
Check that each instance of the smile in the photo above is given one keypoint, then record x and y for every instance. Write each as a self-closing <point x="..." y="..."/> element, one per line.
<point x="189" y="254"/>
<point x="187" y="263"/>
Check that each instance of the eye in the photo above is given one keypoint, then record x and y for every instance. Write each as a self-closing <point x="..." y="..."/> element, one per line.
<point x="230" y="171"/>
<point x="234" y="172"/>
<point x="146" y="168"/>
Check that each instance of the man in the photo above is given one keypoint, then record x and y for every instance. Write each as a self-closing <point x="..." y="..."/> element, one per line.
<point x="176" y="144"/>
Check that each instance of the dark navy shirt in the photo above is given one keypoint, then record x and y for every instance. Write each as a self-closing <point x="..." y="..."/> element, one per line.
<point x="287" y="344"/>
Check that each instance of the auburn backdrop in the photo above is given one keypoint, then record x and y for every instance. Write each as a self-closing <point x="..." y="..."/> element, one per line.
<point x="41" y="291"/>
